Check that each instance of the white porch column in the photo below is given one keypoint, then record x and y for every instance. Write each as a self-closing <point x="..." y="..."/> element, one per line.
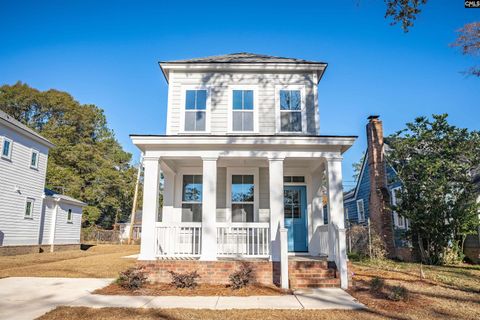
<point x="337" y="241"/>
<point x="151" y="185"/>
<point x="317" y="211"/>
<point x="209" y="205"/>
<point x="275" y="176"/>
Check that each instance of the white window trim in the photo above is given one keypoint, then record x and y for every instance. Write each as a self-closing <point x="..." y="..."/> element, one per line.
<point x="31" y="208"/>
<point x="230" y="108"/>
<point x="398" y="221"/>
<point x="359" y="217"/>
<point x="9" y="156"/>
<point x="31" y="155"/>
<point x="71" y="218"/>
<point x="256" y="192"/>
<point x="278" y="127"/>
<point x="182" y="108"/>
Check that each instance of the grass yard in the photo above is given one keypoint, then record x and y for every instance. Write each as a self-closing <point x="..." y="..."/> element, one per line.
<point x="449" y="292"/>
<point x="101" y="261"/>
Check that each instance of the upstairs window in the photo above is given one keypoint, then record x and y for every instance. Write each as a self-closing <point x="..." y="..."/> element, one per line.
<point x="69" y="216"/>
<point x="360" y="210"/>
<point x="34" y="159"/>
<point x="242" y="110"/>
<point x="192" y="198"/>
<point x="398" y="220"/>
<point x="7" y="148"/>
<point x="195" y="110"/>
<point x="243" y="190"/>
<point x="290" y="111"/>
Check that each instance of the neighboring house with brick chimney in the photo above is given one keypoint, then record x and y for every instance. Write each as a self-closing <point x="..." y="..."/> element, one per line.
<point x="32" y="218"/>
<point x="245" y="170"/>
<point x="375" y="192"/>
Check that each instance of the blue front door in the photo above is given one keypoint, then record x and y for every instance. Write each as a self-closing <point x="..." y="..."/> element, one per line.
<point x="295" y="208"/>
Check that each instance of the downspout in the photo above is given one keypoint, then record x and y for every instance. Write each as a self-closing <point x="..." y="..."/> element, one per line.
<point x="53" y="226"/>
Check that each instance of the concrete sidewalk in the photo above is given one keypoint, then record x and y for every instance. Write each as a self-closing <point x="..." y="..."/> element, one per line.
<point x="28" y="298"/>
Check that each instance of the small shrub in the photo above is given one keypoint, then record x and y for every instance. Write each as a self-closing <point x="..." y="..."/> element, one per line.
<point x="242" y="278"/>
<point x="132" y="278"/>
<point x="184" y="280"/>
<point x="398" y="293"/>
<point x="376" y="285"/>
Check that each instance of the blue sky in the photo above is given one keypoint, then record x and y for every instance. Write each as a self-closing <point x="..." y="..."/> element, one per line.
<point x="106" y="53"/>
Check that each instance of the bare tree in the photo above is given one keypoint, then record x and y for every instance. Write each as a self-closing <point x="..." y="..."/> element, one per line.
<point x="468" y="41"/>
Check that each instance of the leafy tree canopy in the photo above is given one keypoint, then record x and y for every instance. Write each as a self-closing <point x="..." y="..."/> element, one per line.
<point x="403" y="11"/>
<point x="87" y="162"/>
<point x="436" y="163"/>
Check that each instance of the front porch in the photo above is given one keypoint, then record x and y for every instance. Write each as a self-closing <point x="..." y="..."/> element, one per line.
<point x="228" y="203"/>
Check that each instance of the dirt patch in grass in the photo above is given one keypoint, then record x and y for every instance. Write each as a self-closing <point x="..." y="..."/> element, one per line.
<point x="166" y="289"/>
<point x="102" y="261"/>
<point x="81" y="313"/>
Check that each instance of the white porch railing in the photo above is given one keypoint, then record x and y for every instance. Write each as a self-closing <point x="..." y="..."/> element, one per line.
<point x="243" y="239"/>
<point x="178" y="239"/>
<point x="323" y="238"/>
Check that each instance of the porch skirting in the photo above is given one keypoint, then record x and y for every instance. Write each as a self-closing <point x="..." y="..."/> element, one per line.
<point x="212" y="272"/>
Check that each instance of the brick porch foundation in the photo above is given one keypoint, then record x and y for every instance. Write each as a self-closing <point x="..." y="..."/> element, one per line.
<point x="305" y="273"/>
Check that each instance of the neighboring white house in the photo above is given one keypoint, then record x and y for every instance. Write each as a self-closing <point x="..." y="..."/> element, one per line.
<point x="23" y="165"/>
<point x="137" y="228"/>
<point x="61" y="221"/>
<point x="244" y="166"/>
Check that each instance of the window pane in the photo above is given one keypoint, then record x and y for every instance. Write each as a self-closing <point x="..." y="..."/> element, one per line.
<point x="192" y="188"/>
<point x="242" y="188"/>
<point x="295" y="100"/>
<point x="291" y="121"/>
<point x="201" y="99"/>
<point x="298" y="179"/>
<point x="247" y="121"/>
<point x="28" y="209"/>
<point x="248" y="100"/>
<point x="296" y="118"/>
<point x="191" y="212"/>
<point x="237" y="121"/>
<point x="190" y="100"/>
<point x="190" y="121"/>
<point x="33" y="163"/>
<point x="242" y="212"/>
<point x="237" y="100"/>
<point x="284" y="100"/>
<point x="287" y="179"/>
<point x="200" y="120"/>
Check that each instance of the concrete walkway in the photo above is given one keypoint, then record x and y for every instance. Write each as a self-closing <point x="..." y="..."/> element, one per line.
<point x="28" y="298"/>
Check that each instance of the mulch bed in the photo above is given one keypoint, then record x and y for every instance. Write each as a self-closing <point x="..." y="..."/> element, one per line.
<point x="166" y="289"/>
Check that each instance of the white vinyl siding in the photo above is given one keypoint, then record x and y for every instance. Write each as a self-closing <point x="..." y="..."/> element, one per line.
<point x="360" y="210"/>
<point x="219" y="86"/>
<point x="68" y="233"/>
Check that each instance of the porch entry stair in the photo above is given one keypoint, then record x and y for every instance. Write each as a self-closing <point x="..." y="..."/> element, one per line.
<point x="311" y="272"/>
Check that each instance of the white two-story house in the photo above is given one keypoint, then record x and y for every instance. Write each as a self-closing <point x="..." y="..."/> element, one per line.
<point x="32" y="218"/>
<point x="245" y="172"/>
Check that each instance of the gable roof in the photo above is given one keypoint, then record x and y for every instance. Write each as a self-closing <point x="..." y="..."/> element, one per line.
<point x="62" y="197"/>
<point x="18" y="126"/>
<point x="244" y="61"/>
<point x="245" y="57"/>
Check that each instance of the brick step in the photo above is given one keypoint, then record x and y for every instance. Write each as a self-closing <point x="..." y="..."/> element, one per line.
<point x="319" y="283"/>
<point x="326" y="272"/>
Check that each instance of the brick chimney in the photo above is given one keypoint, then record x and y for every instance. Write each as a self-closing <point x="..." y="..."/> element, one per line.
<point x="379" y="203"/>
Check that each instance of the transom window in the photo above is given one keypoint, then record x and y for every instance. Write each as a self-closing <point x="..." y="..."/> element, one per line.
<point x="360" y="210"/>
<point x="34" y="159"/>
<point x="294" y="179"/>
<point x="192" y="198"/>
<point x="29" y="208"/>
<point x="242" y="110"/>
<point x="195" y="110"/>
<point x="290" y="111"/>
<point x="7" y="148"/>
<point x="243" y="190"/>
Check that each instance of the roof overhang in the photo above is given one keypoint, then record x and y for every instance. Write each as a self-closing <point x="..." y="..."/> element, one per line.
<point x="318" y="68"/>
<point x="35" y="137"/>
<point x="219" y="142"/>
